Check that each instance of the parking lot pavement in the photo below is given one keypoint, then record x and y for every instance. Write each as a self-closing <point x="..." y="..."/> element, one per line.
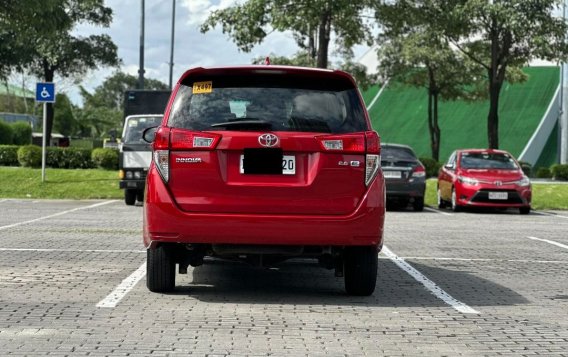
<point x="54" y="272"/>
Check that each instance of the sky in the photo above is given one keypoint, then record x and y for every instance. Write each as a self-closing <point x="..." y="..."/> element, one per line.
<point x="191" y="47"/>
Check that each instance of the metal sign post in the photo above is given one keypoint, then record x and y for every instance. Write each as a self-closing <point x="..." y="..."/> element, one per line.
<point x="45" y="93"/>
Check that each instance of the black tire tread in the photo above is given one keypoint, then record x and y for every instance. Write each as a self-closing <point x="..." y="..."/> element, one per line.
<point x="360" y="270"/>
<point x="129" y="197"/>
<point x="160" y="270"/>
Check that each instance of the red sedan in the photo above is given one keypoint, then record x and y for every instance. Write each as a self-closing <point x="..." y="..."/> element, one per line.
<point x="483" y="178"/>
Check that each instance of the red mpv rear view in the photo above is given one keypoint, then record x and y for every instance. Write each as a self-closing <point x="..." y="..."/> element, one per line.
<point x="263" y="164"/>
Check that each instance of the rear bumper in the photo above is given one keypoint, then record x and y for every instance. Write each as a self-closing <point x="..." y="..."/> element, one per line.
<point x="400" y="190"/>
<point x="165" y="222"/>
<point x="132" y="184"/>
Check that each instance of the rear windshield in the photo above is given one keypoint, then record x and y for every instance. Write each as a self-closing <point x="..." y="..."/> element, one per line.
<point x="134" y="127"/>
<point x="279" y="102"/>
<point x="397" y="153"/>
<point x="487" y="161"/>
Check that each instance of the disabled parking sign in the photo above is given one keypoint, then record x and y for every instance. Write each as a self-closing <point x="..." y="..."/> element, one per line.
<point x="45" y="92"/>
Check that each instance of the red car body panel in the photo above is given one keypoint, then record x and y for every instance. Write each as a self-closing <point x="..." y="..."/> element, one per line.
<point x="488" y="180"/>
<point x="210" y="201"/>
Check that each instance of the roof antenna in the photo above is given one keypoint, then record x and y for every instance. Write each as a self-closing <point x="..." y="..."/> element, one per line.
<point x="267" y="61"/>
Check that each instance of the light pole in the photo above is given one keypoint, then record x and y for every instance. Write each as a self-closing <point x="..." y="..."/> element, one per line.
<point x="141" y="67"/>
<point x="172" y="43"/>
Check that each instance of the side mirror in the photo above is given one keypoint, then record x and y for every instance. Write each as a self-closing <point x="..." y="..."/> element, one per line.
<point x="449" y="166"/>
<point x="149" y="134"/>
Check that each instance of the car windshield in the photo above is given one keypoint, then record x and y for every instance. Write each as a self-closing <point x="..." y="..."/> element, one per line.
<point x="487" y="161"/>
<point x="135" y="126"/>
<point x="242" y="103"/>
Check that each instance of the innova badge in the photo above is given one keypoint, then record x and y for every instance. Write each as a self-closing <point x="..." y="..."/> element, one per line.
<point x="268" y="140"/>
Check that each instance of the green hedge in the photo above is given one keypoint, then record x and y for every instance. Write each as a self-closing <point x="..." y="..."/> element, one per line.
<point x="29" y="156"/>
<point x="6" y="133"/>
<point x="543" y="172"/>
<point x="559" y="172"/>
<point x="9" y="155"/>
<point x="22" y="133"/>
<point x="68" y="158"/>
<point x="432" y="166"/>
<point x="526" y="167"/>
<point x="105" y="158"/>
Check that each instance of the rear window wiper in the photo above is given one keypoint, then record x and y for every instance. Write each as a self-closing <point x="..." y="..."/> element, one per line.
<point x="252" y="123"/>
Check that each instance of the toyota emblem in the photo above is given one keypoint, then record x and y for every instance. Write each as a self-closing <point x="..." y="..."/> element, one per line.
<point x="268" y="140"/>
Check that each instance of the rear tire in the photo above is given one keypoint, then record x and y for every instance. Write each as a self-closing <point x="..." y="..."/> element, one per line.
<point x="525" y="210"/>
<point x="360" y="270"/>
<point x="140" y="195"/>
<point x="160" y="270"/>
<point x="130" y="197"/>
<point x="418" y="204"/>
<point x="455" y="206"/>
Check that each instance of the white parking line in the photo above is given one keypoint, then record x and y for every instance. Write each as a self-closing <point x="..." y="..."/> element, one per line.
<point x="550" y="242"/>
<point x="437" y="211"/>
<point x="487" y="260"/>
<point x="428" y="284"/>
<point x="551" y="214"/>
<point x="56" y="214"/>
<point x="124" y="288"/>
<point x="70" y="250"/>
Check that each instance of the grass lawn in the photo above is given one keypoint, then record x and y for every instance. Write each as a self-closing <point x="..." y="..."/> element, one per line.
<point x="19" y="182"/>
<point x="545" y="196"/>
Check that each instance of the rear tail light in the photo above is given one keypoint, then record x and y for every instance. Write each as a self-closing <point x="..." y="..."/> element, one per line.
<point x="419" y="171"/>
<point x="373" y="157"/>
<point x="348" y="144"/>
<point x="167" y="139"/>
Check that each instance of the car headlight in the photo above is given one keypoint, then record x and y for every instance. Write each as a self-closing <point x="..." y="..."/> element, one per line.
<point x="468" y="180"/>
<point x="524" y="181"/>
<point x="137" y="175"/>
<point x="129" y="175"/>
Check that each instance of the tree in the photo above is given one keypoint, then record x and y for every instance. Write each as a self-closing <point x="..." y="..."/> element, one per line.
<point x="64" y="120"/>
<point x="110" y="94"/>
<point x="415" y="53"/>
<point x="502" y="36"/>
<point x="312" y="23"/>
<point x="49" y="43"/>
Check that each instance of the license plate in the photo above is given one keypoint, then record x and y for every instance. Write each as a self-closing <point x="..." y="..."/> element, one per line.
<point x="498" y="195"/>
<point x="392" y="174"/>
<point x="288" y="165"/>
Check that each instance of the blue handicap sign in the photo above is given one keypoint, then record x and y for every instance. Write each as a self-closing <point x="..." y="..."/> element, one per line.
<point x="45" y="92"/>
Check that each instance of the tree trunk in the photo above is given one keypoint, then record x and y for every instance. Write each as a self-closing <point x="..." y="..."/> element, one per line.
<point x="433" y="127"/>
<point x="48" y="72"/>
<point x="493" y="116"/>
<point x="324" y="37"/>
<point x="436" y="129"/>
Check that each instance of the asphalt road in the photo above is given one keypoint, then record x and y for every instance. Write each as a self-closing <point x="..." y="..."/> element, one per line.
<point x="465" y="284"/>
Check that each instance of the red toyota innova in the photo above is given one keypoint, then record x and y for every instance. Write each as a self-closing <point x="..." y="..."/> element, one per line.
<point x="262" y="164"/>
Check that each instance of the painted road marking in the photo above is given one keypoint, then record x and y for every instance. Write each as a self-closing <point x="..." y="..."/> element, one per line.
<point x="56" y="214"/>
<point x="70" y="250"/>
<point x="437" y="211"/>
<point x="550" y="214"/>
<point x="550" y="242"/>
<point x="428" y="284"/>
<point x="123" y="288"/>
<point x="486" y="260"/>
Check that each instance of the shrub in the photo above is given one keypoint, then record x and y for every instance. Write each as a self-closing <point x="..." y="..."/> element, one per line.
<point x="105" y="158"/>
<point x="68" y="158"/>
<point x="432" y="166"/>
<point x="543" y="172"/>
<point x="559" y="172"/>
<point x="9" y="155"/>
<point x="6" y="134"/>
<point x="22" y="133"/>
<point x="29" y="156"/>
<point x="526" y="167"/>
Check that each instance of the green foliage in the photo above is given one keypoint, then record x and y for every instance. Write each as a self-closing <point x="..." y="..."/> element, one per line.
<point x="105" y="158"/>
<point x="526" y="167"/>
<point x="543" y="172"/>
<point x="310" y="21"/>
<point x="9" y="155"/>
<point x="6" y="133"/>
<point x="29" y="156"/>
<point x="64" y="121"/>
<point x="68" y="158"/>
<point x="94" y="122"/>
<point x="559" y="172"/>
<point x="432" y="166"/>
<point x="22" y="133"/>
